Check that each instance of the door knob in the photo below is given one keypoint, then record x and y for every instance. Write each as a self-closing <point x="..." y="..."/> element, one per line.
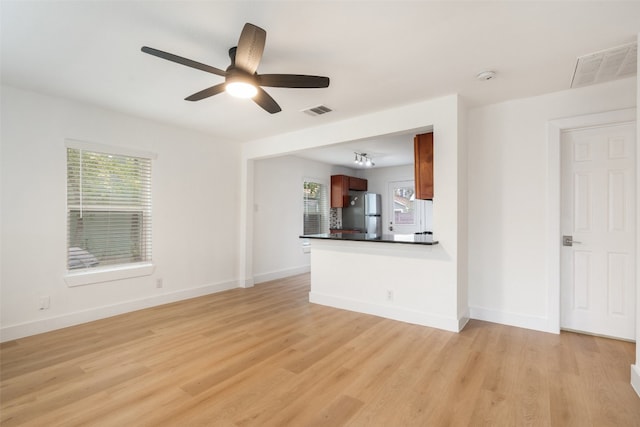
<point x="568" y="241"/>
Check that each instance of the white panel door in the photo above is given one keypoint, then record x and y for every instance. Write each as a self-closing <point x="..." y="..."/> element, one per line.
<point x="598" y="213"/>
<point x="404" y="217"/>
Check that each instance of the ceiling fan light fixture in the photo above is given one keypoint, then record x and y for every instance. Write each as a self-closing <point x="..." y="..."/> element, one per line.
<point x="240" y="89"/>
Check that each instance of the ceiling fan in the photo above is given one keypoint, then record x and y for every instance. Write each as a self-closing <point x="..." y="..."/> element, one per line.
<point x="240" y="78"/>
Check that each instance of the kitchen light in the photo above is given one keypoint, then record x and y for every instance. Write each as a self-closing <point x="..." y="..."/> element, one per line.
<point x="361" y="159"/>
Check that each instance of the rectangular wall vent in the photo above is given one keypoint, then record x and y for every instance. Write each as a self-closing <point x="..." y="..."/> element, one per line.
<point x="316" y="111"/>
<point x="610" y="64"/>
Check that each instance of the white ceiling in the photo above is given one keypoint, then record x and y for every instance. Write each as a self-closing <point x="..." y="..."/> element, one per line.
<point x="384" y="151"/>
<point x="378" y="54"/>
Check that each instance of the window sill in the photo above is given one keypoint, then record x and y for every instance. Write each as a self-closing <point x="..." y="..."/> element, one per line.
<point x="108" y="274"/>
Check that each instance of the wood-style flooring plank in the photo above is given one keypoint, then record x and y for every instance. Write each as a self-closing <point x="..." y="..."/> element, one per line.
<point x="265" y="356"/>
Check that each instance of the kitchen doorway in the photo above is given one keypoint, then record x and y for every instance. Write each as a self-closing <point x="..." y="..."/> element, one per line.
<point x="407" y="215"/>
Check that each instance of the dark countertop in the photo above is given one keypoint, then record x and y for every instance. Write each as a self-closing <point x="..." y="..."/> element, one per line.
<point x="412" y="239"/>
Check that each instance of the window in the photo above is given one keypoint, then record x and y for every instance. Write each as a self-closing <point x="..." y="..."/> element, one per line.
<point x="108" y="209"/>
<point x="316" y="208"/>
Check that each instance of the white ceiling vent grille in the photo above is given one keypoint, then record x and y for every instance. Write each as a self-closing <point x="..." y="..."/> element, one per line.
<point x="316" y="111"/>
<point x="610" y="64"/>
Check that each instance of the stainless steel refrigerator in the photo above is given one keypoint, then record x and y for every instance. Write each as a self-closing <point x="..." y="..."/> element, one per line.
<point x="363" y="213"/>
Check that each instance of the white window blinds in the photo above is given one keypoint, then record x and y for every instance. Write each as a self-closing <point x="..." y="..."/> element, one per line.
<point x="316" y="208"/>
<point x="108" y="209"/>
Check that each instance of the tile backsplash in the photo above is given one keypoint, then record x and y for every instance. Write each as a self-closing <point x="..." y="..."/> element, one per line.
<point x="335" y="218"/>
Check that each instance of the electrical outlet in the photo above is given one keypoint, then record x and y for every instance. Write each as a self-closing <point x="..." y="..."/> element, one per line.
<point x="389" y="294"/>
<point x="45" y="303"/>
<point x="159" y="283"/>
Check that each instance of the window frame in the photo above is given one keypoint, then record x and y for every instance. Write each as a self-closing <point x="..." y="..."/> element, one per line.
<point x="326" y="214"/>
<point x="80" y="277"/>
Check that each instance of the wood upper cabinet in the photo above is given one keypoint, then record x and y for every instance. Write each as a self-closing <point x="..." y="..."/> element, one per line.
<point x="423" y="152"/>
<point x="339" y="191"/>
<point x="357" y="184"/>
<point x="340" y="186"/>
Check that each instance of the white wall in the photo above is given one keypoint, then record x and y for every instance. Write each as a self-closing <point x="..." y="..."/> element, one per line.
<point x="635" y="369"/>
<point x="508" y="199"/>
<point x="359" y="276"/>
<point x="463" y="212"/>
<point x="378" y="178"/>
<point x="195" y="211"/>
<point x="277" y="216"/>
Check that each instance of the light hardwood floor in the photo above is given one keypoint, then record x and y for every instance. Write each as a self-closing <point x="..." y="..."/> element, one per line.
<point x="266" y="357"/>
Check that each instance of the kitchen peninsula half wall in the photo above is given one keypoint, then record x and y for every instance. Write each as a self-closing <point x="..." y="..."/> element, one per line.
<point x="406" y="281"/>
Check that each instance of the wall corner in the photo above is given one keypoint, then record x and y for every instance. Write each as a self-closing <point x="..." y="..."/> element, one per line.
<point x="637" y="365"/>
<point x="635" y="378"/>
<point x="463" y="216"/>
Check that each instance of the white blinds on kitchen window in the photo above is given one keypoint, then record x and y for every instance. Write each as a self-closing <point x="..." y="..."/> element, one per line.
<point x="108" y="209"/>
<point x="316" y="208"/>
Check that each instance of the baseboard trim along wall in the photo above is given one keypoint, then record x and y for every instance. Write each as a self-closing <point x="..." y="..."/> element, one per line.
<point x="281" y="274"/>
<point x="394" y="313"/>
<point x="462" y="321"/>
<point x="635" y="378"/>
<point x="22" y="330"/>
<point x="512" y="319"/>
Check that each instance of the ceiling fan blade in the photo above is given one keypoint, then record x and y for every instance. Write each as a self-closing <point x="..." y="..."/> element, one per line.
<point x="293" y="81"/>
<point x="183" y="61"/>
<point x="264" y="100"/>
<point x="250" y="48"/>
<point x="213" y="90"/>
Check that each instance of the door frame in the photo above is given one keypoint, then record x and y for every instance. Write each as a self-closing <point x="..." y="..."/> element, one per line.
<point x="554" y="129"/>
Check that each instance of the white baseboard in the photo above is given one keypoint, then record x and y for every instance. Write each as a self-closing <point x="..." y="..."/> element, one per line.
<point x="396" y="313"/>
<point x="635" y="378"/>
<point x="463" y="320"/>
<point x="26" y="329"/>
<point x="511" y="319"/>
<point x="280" y="274"/>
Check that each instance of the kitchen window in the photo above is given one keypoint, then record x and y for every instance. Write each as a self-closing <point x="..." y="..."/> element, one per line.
<point x="316" y="207"/>
<point x="108" y="212"/>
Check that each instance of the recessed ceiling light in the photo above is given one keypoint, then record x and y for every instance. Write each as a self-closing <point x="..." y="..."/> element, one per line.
<point x="486" y="75"/>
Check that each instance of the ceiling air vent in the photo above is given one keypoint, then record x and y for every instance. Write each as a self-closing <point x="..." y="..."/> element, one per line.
<point x="317" y="111"/>
<point x="610" y="64"/>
